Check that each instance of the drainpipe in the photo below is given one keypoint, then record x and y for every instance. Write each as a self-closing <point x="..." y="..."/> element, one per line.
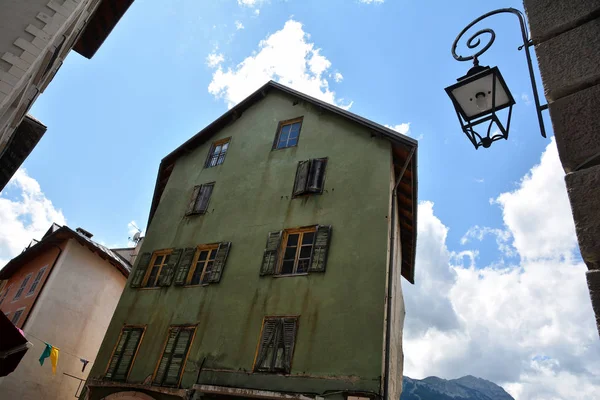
<point x="391" y="276"/>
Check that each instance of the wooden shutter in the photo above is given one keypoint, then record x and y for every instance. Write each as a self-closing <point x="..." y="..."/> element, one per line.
<point x="203" y="198"/>
<point x="268" y="336"/>
<point x="129" y="350"/>
<point x="219" y="263"/>
<point x="316" y="175"/>
<point x="192" y="203"/>
<point x="301" y="177"/>
<point x="166" y="274"/>
<point x="140" y="270"/>
<point x="183" y="269"/>
<point x="166" y="356"/>
<point x="290" y="326"/>
<point x="271" y="253"/>
<point x="320" y="249"/>
<point x="180" y="351"/>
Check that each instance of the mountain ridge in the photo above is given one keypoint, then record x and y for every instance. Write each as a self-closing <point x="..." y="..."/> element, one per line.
<point x="467" y="387"/>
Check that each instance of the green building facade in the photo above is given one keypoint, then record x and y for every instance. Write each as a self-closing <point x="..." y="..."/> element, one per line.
<point x="269" y="255"/>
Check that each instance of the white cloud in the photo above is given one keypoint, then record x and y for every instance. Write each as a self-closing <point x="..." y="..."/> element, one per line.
<point x="525" y="99"/>
<point x="239" y="25"/>
<point x="250" y="3"/>
<point x="529" y="325"/>
<point x="480" y="180"/>
<point x="257" y="12"/>
<point x="338" y="77"/>
<point x="368" y="1"/>
<point x="25" y="214"/>
<point x="285" y="56"/>
<point x="403" y="128"/>
<point x="213" y="60"/>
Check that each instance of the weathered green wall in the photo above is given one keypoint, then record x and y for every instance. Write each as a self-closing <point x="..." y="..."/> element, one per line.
<point x="341" y="311"/>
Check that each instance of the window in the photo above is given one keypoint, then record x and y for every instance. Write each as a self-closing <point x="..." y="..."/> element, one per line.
<point x="158" y="268"/>
<point x="200" y="198"/>
<point x="22" y="287"/>
<point x="202" y="265"/>
<point x="296" y="251"/>
<point x="310" y="176"/>
<point x="36" y="281"/>
<point x="15" y="318"/>
<point x="174" y="356"/>
<point x="217" y="152"/>
<point x="124" y="353"/>
<point x="276" y="345"/>
<point x="3" y="296"/>
<point x="288" y="133"/>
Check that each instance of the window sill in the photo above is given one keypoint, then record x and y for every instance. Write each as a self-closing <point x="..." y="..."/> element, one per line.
<point x="150" y="288"/>
<point x="195" y="286"/>
<point x="283" y="148"/>
<point x="290" y="275"/>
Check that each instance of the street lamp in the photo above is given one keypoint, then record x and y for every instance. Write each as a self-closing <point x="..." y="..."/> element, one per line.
<point x="482" y="92"/>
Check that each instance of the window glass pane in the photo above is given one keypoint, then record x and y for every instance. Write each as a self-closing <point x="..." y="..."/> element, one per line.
<point x="296" y="128"/>
<point x="283" y="137"/>
<point x="213" y="253"/>
<point x="293" y="239"/>
<point x="225" y="146"/>
<point x="203" y="255"/>
<point x="287" y="267"/>
<point x="302" y="266"/>
<point x="207" y="271"/>
<point x="292" y="142"/>
<point x="217" y="149"/>
<point x="305" y="251"/>
<point x="285" y="129"/>
<point x="308" y="238"/>
<point x="290" y="253"/>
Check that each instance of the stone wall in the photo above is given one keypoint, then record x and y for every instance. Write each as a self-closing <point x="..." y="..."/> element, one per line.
<point x="566" y="34"/>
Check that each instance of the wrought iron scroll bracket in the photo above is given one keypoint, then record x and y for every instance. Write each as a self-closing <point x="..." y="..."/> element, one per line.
<point x="474" y="41"/>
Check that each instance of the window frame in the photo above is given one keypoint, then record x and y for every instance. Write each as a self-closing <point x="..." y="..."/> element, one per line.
<point x="36" y="281"/>
<point x="306" y="191"/>
<point x="255" y="368"/>
<point x="155" y="255"/>
<point x="162" y="353"/>
<point x="143" y="328"/>
<point x="196" y="193"/>
<point x="214" y="145"/>
<point x="4" y="295"/>
<point x="283" y="246"/>
<point x="22" y="287"/>
<point x="213" y="248"/>
<point x="280" y="126"/>
<point x="18" y="313"/>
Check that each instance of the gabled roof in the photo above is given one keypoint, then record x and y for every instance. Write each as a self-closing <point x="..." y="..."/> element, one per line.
<point x="403" y="149"/>
<point x="58" y="234"/>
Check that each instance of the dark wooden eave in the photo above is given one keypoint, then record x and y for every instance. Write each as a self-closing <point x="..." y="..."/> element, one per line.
<point x="99" y="26"/>
<point x="401" y="146"/>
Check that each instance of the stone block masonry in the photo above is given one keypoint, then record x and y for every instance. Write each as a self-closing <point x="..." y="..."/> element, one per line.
<point x="566" y="35"/>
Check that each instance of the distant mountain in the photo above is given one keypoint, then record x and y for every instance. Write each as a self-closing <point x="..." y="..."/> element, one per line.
<point x="465" y="388"/>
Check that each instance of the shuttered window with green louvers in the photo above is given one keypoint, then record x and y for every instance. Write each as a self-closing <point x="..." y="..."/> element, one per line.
<point x="174" y="356"/>
<point x="200" y="198"/>
<point x="310" y="177"/>
<point x="276" y="345"/>
<point x="124" y="354"/>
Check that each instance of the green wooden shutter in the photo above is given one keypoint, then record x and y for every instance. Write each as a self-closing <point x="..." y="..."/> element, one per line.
<point x="185" y="262"/>
<point x="203" y="198"/>
<point x="267" y="339"/>
<point x="271" y="253"/>
<point x="320" y="249"/>
<point x="128" y="353"/>
<point x="301" y="177"/>
<point x="316" y="175"/>
<point x="166" y="356"/>
<point x="114" y="361"/>
<point x="192" y="203"/>
<point x="290" y="326"/>
<point x="180" y="350"/>
<point x="219" y="263"/>
<point x="140" y="270"/>
<point x="168" y="271"/>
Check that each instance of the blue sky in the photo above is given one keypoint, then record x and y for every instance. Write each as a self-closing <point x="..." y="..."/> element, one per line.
<point x="152" y="85"/>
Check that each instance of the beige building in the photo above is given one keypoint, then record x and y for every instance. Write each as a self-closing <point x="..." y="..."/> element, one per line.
<point x="63" y="291"/>
<point x="35" y="38"/>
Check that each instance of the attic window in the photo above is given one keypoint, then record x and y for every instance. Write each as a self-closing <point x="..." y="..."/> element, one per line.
<point x="288" y="133"/>
<point x="216" y="155"/>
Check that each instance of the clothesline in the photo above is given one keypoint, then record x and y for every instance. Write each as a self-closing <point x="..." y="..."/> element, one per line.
<point x="61" y="350"/>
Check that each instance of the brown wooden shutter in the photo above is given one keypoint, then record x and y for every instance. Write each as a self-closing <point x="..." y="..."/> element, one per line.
<point x="193" y="199"/>
<point x="271" y="253"/>
<point x="180" y="350"/>
<point x="140" y="270"/>
<point x="267" y="338"/>
<point x="301" y="177"/>
<point x="320" y="249"/>
<point x="203" y="198"/>
<point x="219" y="263"/>
<point x="290" y="326"/>
<point x="316" y="175"/>
<point x="183" y="269"/>
<point x="166" y="356"/>
<point x="166" y="274"/>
